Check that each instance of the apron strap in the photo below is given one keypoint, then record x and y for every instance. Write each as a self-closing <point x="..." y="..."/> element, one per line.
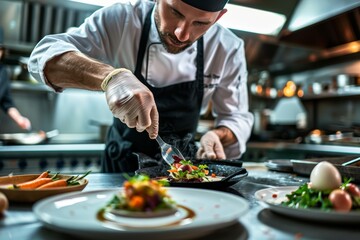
<point x="143" y="41"/>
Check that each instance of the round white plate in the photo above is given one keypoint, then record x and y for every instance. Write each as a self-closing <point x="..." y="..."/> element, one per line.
<point x="272" y="197"/>
<point x="78" y="214"/>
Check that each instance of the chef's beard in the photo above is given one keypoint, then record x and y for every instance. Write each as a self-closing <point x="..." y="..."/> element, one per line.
<point x="166" y="35"/>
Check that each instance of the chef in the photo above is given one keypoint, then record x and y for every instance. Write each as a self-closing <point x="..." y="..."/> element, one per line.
<point x="6" y="101"/>
<point x="160" y="64"/>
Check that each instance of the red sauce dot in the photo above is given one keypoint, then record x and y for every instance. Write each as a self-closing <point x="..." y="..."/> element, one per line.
<point x="274" y="195"/>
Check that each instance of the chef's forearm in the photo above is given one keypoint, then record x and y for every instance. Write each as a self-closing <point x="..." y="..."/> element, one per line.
<point x="226" y="136"/>
<point x="75" y="70"/>
<point x="14" y="113"/>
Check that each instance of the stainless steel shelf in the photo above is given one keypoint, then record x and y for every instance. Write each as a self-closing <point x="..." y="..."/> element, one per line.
<point x="51" y="149"/>
<point x="346" y="92"/>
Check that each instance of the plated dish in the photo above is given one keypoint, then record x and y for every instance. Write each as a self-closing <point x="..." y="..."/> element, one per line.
<point x="32" y="195"/>
<point x="272" y="197"/>
<point x="141" y="197"/>
<point x="78" y="214"/>
<point x="227" y="174"/>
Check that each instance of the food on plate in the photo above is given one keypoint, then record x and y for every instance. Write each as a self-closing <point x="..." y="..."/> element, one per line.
<point x="142" y="197"/>
<point x="185" y="171"/>
<point x="325" y="176"/>
<point x="325" y="191"/>
<point x="4" y="203"/>
<point x="48" y="181"/>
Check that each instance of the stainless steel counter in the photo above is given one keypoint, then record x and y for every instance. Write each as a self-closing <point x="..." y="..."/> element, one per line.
<point x="313" y="148"/>
<point x="19" y="222"/>
<point x="263" y="151"/>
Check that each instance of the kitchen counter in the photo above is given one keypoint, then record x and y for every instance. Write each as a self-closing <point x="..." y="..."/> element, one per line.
<point x="263" y="151"/>
<point x="313" y="148"/>
<point x="19" y="222"/>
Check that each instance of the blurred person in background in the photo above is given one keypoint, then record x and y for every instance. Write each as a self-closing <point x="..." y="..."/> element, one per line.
<point x="159" y="63"/>
<point x="6" y="102"/>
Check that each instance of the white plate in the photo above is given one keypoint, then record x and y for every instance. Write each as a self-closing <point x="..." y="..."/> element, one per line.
<point x="78" y="214"/>
<point x="274" y="196"/>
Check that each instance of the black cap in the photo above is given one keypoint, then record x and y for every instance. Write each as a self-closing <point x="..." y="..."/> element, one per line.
<point x="207" y="5"/>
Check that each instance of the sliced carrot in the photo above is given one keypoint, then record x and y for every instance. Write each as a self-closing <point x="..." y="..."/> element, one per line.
<point x="54" y="184"/>
<point x="213" y="175"/>
<point x="194" y="167"/>
<point x="172" y="170"/>
<point x="33" y="183"/>
<point x="136" y="202"/>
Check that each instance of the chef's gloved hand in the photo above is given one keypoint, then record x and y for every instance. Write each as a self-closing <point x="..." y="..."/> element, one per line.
<point x="210" y="147"/>
<point x="131" y="101"/>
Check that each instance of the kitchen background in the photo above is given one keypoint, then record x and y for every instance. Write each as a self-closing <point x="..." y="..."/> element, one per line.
<point x="304" y="80"/>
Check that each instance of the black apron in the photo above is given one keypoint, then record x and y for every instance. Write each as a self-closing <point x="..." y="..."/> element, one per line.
<point x="179" y="109"/>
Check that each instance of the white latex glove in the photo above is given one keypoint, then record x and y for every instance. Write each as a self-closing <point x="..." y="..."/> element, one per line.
<point x="132" y="102"/>
<point x="210" y="147"/>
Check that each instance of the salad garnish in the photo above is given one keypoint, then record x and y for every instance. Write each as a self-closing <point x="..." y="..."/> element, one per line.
<point x="344" y="198"/>
<point x="185" y="171"/>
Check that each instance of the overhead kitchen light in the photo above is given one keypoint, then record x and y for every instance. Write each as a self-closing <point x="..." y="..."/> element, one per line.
<point x="237" y="18"/>
<point x="252" y="20"/>
<point x="99" y="3"/>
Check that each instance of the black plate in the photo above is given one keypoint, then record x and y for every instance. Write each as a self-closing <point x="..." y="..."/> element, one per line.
<point x="232" y="172"/>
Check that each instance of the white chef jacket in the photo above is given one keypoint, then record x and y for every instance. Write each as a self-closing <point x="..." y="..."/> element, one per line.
<point x="112" y="35"/>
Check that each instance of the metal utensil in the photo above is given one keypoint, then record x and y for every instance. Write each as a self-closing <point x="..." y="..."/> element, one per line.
<point x="28" y="138"/>
<point x="168" y="152"/>
<point x="351" y="162"/>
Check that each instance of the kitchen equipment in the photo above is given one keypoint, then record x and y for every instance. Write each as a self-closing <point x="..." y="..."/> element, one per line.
<point x="281" y="165"/>
<point x="27" y="138"/>
<point x="168" y="152"/>
<point x="349" y="170"/>
<point x="103" y="128"/>
<point x="351" y="162"/>
<point x="64" y="158"/>
<point x="318" y="136"/>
